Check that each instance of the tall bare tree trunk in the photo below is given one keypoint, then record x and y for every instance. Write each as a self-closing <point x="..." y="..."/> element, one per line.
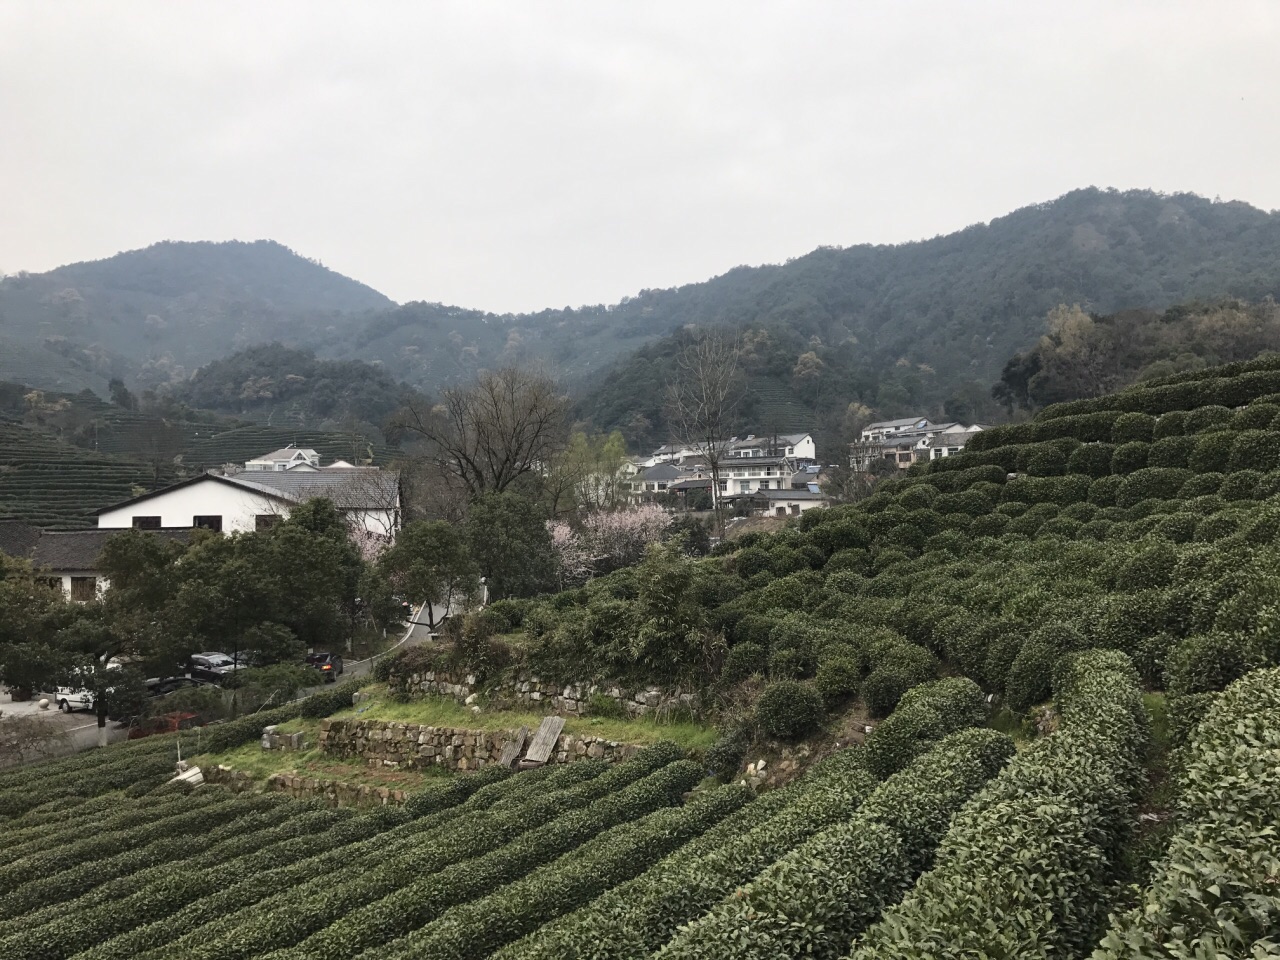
<point x="701" y="402"/>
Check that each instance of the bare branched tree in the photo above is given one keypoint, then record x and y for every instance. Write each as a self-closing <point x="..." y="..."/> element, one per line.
<point x="485" y="436"/>
<point x="702" y="400"/>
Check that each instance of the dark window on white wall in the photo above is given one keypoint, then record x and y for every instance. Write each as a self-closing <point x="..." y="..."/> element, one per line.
<point x="213" y="522"/>
<point x="146" y="523"/>
<point x="84" y="588"/>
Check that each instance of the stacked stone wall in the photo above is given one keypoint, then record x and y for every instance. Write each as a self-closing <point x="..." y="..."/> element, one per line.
<point x="418" y="746"/>
<point x="530" y="692"/>
<point x="336" y="793"/>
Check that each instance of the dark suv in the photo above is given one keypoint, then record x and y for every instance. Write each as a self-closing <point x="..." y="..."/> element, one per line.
<point x="329" y="664"/>
<point x="211" y="667"/>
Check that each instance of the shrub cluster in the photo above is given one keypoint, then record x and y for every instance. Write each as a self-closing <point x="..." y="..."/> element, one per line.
<point x="638" y="917"/>
<point x="812" y="901"/>
<point x="1214" y="894"/>
<point x="1028" y="864"/>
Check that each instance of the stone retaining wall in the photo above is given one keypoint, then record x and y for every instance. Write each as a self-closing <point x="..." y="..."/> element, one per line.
<point x="570" y="700"/>
<point x="416" y="746"/>
<point x="274" y="740"/>
<point x="336" y="793"/>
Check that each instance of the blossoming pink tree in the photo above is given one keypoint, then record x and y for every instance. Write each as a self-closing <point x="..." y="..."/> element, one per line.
<point x="606" y="541"/>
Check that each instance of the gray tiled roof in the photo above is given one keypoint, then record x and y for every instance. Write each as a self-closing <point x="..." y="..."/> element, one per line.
<point x="889" y="424"/>
<point x="348" y="488"/>
<point x="17" y="538"/>
<point x="80" y="549"/>
<point x="662" y="471"/>
<point x="286" y="453"/>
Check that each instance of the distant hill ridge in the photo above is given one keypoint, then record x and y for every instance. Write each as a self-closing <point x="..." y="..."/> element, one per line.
<point x="925" y="325"/>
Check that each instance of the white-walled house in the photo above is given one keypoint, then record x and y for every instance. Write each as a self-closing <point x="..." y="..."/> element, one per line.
<point x="285" y="458"/>
<point x="369" y="498"/>
<point x="68" y="558"/>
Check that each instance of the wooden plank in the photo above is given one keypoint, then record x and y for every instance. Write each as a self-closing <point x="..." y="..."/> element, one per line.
<point x="511" y="749"/>
<point x="544" y="741"/>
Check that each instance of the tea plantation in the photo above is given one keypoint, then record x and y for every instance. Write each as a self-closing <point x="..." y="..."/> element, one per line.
<point x="49" y="482"/>
<point x="1104" y="581"/>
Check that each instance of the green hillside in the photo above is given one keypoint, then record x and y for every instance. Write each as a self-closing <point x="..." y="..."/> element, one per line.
<point x="922" y="326"/>
<point x="53" y="484"/>
<point x="155" y="315"/>
<point x="78" y="453"/>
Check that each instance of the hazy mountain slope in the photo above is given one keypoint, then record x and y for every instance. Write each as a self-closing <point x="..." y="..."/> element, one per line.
<point x="914" y="326"/>
<point x="927" y="326"/>
<point x="154" y="315"/>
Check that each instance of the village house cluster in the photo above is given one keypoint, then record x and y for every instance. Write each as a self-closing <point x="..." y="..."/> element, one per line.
<point x="774" y="474"/>
<point x="907" y="441"/>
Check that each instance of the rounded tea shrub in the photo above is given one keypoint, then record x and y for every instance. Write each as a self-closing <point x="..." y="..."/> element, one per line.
<point x="743" y="660"/>
<point x="1102" y="492"/>
<point x="1256" y="416"/>
<point x="788" y="709"/>
<point x="1091" y="459"/>
<point x="787" y="664"/>
<point x="1170" y="452"/>
<point x="1130" y="457"/>
<point x="1255" y="450"/>
<point x="1133" y="426"/>
<point x="1203" y="419"/>
<point x="1212" y="453"/>
<point x="837" y="679"/>
<point x="1240" y="485"/>
<point x="1201" y="485"/>
<point x="1047" y="462"/>
<point x="1170" y="424"/>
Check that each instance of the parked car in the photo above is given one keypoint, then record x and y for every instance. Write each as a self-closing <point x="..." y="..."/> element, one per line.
<point x="329" y="664"/>
<point x="165" y="723"/>
<point x="77" y="696"/>
<point x="163" y="686"/>
<point x="211" y="667"/>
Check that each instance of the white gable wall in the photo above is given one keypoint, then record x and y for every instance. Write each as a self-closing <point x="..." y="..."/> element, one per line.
<point x="239" y="508"/>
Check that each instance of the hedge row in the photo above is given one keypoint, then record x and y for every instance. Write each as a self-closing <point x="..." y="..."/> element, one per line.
<point x="310" y="900"/>
<point x="62" y="929"/>
<point x="1215" y="893"/>
<point x="473" y="930"/>
<point x="116" y="772"/>
<point x="113" y="813"/>
<point x="925" y="714"/>
<point x="1029" y="863"/>
<point x="638" y="917"/>
<point x="205" y="810"/>
<point x="172" y="838"/>
<point x="425" y="899"/>
<point x="1221" y="388"/>
<point x="330" y="854"/>
<point x="814" y="900"/>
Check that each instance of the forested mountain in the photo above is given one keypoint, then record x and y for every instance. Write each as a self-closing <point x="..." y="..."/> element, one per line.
<point x="926" y="327"/>
<point x="1083" y="356"/>
<point x="152" y="316"/>
<point x="287" y="385"/>
<point x="923" y="326"/>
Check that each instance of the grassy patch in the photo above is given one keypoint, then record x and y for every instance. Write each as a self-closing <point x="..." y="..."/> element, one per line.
<point x="434" y="712"/>
<point x="445" y="712"/>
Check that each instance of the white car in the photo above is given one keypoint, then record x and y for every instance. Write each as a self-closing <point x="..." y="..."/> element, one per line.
<point x="77" y="697"/>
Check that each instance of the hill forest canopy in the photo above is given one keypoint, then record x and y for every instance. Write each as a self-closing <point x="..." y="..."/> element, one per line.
<point x="923" y="326"/>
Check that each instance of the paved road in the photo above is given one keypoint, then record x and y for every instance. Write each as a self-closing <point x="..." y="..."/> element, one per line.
<point x="68" y="732"/>
<point x="73" y="732"/>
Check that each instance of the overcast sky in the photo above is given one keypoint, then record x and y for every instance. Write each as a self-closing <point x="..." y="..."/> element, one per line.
<point x="513" y="156"/>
